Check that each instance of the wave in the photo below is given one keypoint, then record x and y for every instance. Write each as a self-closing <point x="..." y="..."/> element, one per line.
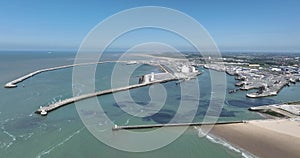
<point x="77" y="89"/>
<point x="127" y="122"/>
<point x="26" y="136"/>
<point x="31" y="114"/>
<point x="9" y="119"/>
<point x="2" y="145"/>
<point x="59" y="144"/>
<point x="220" y="141"/>
<point x="56" y="99"/>
<point x="10" y="136"/>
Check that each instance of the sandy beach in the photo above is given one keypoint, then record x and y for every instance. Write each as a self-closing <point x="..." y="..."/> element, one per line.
<point x="264" y="138"/>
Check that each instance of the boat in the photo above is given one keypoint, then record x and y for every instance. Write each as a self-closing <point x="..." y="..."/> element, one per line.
<point x="233" y="91"/>
<point x="292" y="80"/>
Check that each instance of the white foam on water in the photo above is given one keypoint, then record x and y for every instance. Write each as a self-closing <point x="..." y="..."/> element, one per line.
<point x="30" y="115"/>
<point x="127" y="122"/>
<point x="217" y="140"/>
<point x="13" y="138"/>
<point x="7" y="120"/>
<point x="56" y="99"/>
<point x="26" y="136"/>
<point x="9" y="134"/>
<point x="2" y="145"/>
<point x="248" y="155"/>
<point x="43" y="126"/>
<point x="78" y="90"/>
<point x="51" y="148"/>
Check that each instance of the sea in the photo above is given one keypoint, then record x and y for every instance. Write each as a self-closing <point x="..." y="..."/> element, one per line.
<point x="63" y="134"/>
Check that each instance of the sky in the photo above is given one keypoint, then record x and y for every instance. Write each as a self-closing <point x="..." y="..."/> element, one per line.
<point x="234" y="25"/>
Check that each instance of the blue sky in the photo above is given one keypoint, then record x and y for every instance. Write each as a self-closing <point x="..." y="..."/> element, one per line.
<point x="234" y="24"/>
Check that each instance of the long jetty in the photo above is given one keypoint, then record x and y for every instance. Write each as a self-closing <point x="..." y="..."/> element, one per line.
<point x="116" y="127"/>
<point x="13" y="84"/>
<point x="45" y="109"/>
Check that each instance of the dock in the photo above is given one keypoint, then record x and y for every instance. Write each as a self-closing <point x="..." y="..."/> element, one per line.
<point x="164" y="68"/>
<point x="116" y="127"/>
<point x="277" y="110"/>
<point x="46" y="109"/>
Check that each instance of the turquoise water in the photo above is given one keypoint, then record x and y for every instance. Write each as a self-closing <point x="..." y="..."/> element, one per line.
<point x="62" y="134"/>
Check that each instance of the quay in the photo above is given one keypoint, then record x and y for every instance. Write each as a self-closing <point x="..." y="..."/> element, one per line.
<point x="284" y="110"/>
<point x="44" y="110"/>
<point x="267" y="83"/>
<point x="164" y="68"/>
<point x="116" y="127"/>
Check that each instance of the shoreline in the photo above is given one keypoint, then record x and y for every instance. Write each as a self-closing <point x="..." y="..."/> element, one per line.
<point x="263" y="138"/>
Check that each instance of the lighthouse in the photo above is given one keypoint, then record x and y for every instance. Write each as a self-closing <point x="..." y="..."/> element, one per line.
<point x="152" y="76"/>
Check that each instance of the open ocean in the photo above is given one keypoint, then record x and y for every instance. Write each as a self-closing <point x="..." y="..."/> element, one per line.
<point x="62" y="134"/>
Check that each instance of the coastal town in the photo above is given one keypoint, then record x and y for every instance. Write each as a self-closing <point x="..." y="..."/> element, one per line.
<point x="268" y="79"/>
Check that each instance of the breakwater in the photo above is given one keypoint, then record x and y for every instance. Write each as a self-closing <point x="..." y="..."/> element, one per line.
<point x="116" y="127"/>
<point x="45" y="109"/>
